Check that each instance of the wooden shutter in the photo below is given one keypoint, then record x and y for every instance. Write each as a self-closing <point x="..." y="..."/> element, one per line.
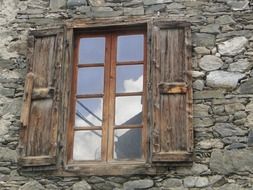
<point x="171" y="89"/>
<point x="40" y="111"/>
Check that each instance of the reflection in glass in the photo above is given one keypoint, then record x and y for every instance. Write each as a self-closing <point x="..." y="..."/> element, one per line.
<point x="89" y="112"/>
<point x="90" y="80"/>
<point x="127" y="143"/>
<point x="92" y="50"/>
<point x="129" y="78"/>
<point x="87" y="145"/>
<point x="130" y="48"/>
<point x="128" y="110"/>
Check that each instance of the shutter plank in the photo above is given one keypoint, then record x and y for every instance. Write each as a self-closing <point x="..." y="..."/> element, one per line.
<point x="172" y="94"/>
<point x="39" y="138"/>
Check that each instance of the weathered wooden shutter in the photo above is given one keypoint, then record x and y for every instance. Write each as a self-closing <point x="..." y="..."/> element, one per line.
<point x="171" y="89"/>
<point x="40" y="111"/>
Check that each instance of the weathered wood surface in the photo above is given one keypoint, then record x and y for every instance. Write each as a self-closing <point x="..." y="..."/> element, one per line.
<point x="39" y="138"/>
<point x="27" y="99"/>
<point x="171" y="132"/>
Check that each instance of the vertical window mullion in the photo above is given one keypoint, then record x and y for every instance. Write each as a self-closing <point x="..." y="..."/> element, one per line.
<point x="111" y="112"/>
<point x="106" y="110"/>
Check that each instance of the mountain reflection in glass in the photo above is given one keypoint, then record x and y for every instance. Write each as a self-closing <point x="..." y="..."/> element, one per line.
<point x="92" y="50"/>
<point x="130" y="48"/>
<point x="127" y="143"/>
<point x="128" y="110"/>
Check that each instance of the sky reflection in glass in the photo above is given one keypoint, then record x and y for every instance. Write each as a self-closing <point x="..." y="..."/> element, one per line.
<point x="130" y="48"/>
<point x="92" y="50"/>
<point x="89" y="112"/>
<point x="90" y="80"/>
<point x="129" y="78"/>
<point x="83" y="152"/>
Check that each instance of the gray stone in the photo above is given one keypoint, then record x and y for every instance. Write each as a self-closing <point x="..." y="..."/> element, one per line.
<point x="225" y="19"/>
<point x="211" y="29"/>
<point x="198" y="169"/>
<point x="230" y="140"/>
<point x="249" y="106"/>
<point x="201" y="182"/>
<point x="104" y="186"/>
<point x="198" y="85"/>
<point x="210" y="143"/>
<point x="172" y="183"/>
<point x="155" y="8"/>
<point x="57" y="4"/>
<point x="234" y="107"/>
<point x="197" y="74"/>
<point x="153" y="2"/>
<point x="250" y="138"/>
<point x="217" y="180"/>
<point x="210" y="63"/>
<point x="240" y="115"/>
<point x="241" y="65"/>
<point x="249" y="121"/>
<point x="203" y="39"/>
<point x="223" y="79"/>
<point x="202" y="122"/>
<point x="13" y="107"/>
<point x="227" y="130"/>
<point x="7" y="154"/>
<point x="134" y="11"/>
<point x="5" y="170"/>
<point x="82" y="185"/>
<point x="8" y="92"/>
<point x="231" y="161"/>
<point x="238" y="5"/>
<point x="202" y="50"/>
<point x="190" y="181"/>
<point x="74" y="3"/>
<point x="200" y="110"/>
<point x="95" y="179"/>
<point x="233" y="46"/>
<point x="208" y="94"/>
<point x="138" y="184"/>
<point x="174" y="6"/>
<point x="32" y="185"/>
<point x="96" y="2"/>
<point x="247" y="87"/>
<point x="219" y="110"/>
<point x="235" y="146"/>
<point x="99" y="14"/>
<point x="231" y="186"/>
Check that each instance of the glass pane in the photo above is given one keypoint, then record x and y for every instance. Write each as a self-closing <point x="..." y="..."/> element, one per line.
<point x="129" y="78"/>
<point x="87" y="145"/>
<point x="90" y="80"/>
<point x="128" y="110"/>
<point x="127" y="144"/>
<point x="89" y="112"/>
<point x="130" y="48"/>
<point x="92" y="50"/>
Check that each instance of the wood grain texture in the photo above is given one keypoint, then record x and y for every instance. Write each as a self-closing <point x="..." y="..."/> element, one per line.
<point x="39" y="138"/>
<point x="171" y="91"/>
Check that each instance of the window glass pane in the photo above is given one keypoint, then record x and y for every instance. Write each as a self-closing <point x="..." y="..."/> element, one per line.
<point x="90" y="80"/>
<point x="128" y="110"/>
<point x="87" y="145"/>
<point x="127" y="143"/>
<point x="92" y="50"/>
<point x="129" y="78"/>
<point x="89" y="112"/>
<point x="130" y="48"/>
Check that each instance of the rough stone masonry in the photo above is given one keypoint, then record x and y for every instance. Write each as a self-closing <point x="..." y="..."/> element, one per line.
<point x="223" y="90"/>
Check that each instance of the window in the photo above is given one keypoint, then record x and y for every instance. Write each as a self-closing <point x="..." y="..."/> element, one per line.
<point x="125" y="109"/>
<point x="108" y="98"/>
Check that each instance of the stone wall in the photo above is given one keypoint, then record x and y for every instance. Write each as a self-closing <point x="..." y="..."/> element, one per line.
<point x="223" y="90"/>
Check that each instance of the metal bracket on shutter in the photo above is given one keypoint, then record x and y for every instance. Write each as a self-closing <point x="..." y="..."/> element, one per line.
<point x="172" y="88"/>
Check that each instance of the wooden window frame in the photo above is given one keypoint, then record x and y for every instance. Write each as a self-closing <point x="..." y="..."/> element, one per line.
<point x="109" y="95"/>
<point x="155" y="162"/>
